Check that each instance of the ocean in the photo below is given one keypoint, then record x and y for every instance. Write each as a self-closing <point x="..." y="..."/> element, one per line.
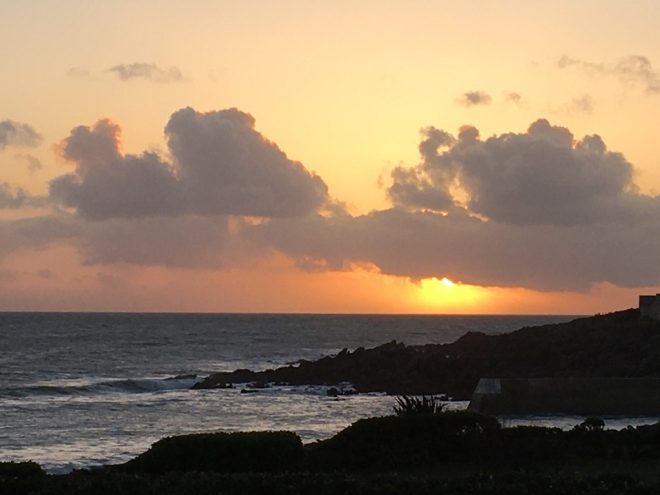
<point x="79" y="390"/>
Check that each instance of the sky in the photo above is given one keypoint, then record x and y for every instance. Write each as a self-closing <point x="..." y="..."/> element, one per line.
<point x="335" y="157"/>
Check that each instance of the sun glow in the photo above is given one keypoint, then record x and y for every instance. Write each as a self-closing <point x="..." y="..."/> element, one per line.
<point x="447" y="295"/>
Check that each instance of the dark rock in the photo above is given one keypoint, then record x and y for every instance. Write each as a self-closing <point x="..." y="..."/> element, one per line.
<point x="618" y="344"/>
<point x="332" y="392"/>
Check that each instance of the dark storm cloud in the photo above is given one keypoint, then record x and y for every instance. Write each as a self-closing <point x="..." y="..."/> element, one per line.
<point x="221" y="165"/>
<point x="633" y="69"/>
<point x="472" y="98"/>
<point x="149" y="72"/>
<point x="17" y="134"/>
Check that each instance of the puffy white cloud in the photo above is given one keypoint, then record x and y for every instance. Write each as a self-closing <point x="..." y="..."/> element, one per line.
<point x="542" y="176"/>
<point x="108" y="184"/>
<point x="227" y="167"/>
<point x="17" y="134"/>
<point x="149" y="72"/>
<point x="221" y="165"/>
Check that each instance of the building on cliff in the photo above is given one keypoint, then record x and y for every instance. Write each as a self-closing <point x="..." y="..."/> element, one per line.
<point x="649" y="306"/>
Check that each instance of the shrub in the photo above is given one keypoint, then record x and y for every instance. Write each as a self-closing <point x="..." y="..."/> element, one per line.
<point x="21" y="478"/>
<point x="404" y="441"/>
<point x="591" y="424"/>
<point x="20" y="469"/>
<point x="266" y="451"/>
<point x="407" y="405"/>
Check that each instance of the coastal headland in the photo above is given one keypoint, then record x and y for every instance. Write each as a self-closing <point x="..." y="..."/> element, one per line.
<point x="619" y="344"/>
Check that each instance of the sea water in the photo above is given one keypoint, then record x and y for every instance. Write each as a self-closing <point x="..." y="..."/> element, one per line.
<point x="78" y="390"/>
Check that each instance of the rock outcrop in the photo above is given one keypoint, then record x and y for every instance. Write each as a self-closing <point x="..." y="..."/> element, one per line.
<point x="615" y="345"/>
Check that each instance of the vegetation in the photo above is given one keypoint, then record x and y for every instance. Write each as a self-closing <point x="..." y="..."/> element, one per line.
<point x="263" y="451"/>
<point x="407" y="405"/>
<point x="423" y="453"/>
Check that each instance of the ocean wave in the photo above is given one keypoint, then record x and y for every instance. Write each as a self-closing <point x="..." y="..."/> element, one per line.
<point x="128" y="385"/>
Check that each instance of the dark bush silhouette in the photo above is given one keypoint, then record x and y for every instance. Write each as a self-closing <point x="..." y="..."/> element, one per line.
<point x="404" y="441"/>
<point x="19" y="478"/>
<point x="406" y="405"/>
<point x="266" y="451"/>
<point x="591" y="424"/>
<point x="20" y="469"/>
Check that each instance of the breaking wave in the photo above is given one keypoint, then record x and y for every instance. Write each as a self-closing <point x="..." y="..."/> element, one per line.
<point x="130" y="385"/>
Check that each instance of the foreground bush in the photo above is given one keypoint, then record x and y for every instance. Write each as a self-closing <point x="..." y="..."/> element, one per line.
<point x="405" y="441"/>
<point x="266" y="451"/>
<point x="20" y="469"/>
<point x="19" y="478"/>
<point x="341" y="483"/>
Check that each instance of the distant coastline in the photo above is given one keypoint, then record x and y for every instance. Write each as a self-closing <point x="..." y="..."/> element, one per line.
<point x="597" y="346"/>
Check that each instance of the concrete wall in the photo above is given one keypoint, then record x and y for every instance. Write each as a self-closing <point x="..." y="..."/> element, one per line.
<point x="649" y="306"/>
<point x="570" y="396"/>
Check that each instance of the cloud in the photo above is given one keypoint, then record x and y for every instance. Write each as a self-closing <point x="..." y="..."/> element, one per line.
<point x="178" y="242"/>
<point x="11" y="198"/>
<point x="35" y="233"/>
<point x="33" y="163"/>
<point x="221" y="165"/>
<point x="542" y="176"/>
<point x="540" y="209"/>
<point x="149" y="72"/>
<point x="633" y="69"/>
<point x="513" y="97"/>
<point x="537" y="209"/>
<point x="422" y="244"/>
<point x="583" y="104"/>
<point x="17" y="134"/>
<point x="472" y="98"/>
<point x="77" y="72"/>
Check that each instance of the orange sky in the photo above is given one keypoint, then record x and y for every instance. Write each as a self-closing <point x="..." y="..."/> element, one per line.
<point x="343" y="90"/>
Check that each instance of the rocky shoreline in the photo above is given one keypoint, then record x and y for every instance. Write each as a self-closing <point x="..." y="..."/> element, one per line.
<point x="621" y="344"/>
